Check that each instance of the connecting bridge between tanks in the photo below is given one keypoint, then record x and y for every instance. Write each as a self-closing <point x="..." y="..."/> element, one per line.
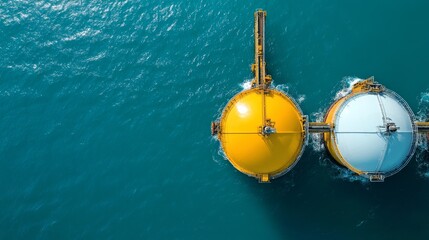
<point x="423" y="127"/>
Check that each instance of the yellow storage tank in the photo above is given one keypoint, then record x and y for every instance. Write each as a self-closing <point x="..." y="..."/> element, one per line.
<point x="262" y="133"/>
<point x="262" y="130"/>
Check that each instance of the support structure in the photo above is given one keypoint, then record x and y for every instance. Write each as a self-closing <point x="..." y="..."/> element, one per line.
<point x="319" y="127"/>
<point x="423" y="127"/>
<point x="261" y="80"/>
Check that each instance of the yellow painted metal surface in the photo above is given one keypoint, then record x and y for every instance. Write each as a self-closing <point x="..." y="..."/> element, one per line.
<point x="250" y="151"/>
<point x="328" y="136"/>
<point x="367" y="85"/>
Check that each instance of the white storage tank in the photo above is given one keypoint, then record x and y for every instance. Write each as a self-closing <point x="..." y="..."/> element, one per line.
<point x="372" y="131"/>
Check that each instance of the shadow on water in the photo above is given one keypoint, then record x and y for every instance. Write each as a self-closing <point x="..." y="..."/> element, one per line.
<point x="310" y="203"/>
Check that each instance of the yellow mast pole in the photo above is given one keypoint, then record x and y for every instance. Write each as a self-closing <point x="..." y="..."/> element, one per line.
<point x="261" y="79"/>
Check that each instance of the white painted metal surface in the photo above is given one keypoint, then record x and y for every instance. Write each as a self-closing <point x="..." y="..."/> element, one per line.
<point x="361" y="136"/>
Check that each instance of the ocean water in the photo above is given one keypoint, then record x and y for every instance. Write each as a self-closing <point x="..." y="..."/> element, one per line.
<point x="106" y="108"/>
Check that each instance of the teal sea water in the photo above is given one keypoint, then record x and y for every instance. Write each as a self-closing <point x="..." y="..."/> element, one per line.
<point x="106" y="108"/>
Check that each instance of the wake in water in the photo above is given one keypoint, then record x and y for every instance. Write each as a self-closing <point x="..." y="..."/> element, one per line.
<point x="247" y="84"/>
<point x="423" y="113"/>
<point x="422" y="153"/>
<point x="316" y="139"/>
<point x="347" y="86"/>
<point x="220" y="157"/>
<point x="282" y="88"/>
<point x="347" y="175"/>
<point x="300" y="98"/>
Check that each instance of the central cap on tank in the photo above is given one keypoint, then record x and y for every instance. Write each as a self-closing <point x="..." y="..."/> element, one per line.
<point x="262" y="130"/>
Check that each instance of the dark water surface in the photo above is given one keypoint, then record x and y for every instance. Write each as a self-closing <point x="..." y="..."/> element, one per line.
<point x="106" y="107"/>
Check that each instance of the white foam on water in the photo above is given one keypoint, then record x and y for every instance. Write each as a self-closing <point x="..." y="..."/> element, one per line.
<point x="423" y="113"/>
<point x="422" y="152"/>
<point x="247" y="84"/>
<point x="349" y="176"/>
<point x="316" y="142"/>
<point x="301" y="98"/>
<point x="316" y="139"/>
<point x="282" y="88"/>
<point x="220" y="157"/>
<point x="319" y="116"/>
<point x="422" y="157"/>
<point x="425" y="97"/>
<point x="222" y="154"/>
<point x="347" y="86"/>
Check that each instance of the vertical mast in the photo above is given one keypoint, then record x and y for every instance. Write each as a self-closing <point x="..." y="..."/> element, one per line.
<point x="261" y="80"/>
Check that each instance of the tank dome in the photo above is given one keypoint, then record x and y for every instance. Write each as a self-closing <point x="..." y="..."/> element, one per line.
<point x="262" y="132"/>
<point x="373" y="131"/>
